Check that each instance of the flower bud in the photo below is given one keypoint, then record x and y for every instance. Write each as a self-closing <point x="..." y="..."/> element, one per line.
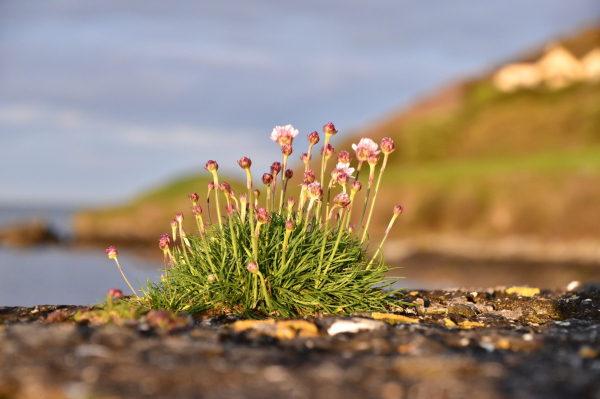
<point x="342" y="200"/>
<point x="253" y="267"/>
<point x="225" y="187"/>
<point x="313" y="138"/>
<point x="245" y="163"/>
<point x="114" y="293"/>
<point x="211" y="277"/>
<point x="194" y="198"/>
<point x="305" y="158"/>
<point x="179" y="217"/>
<point x="387" y="145"/>
<point x="275" y="168"/>
<point x="344" y="157"/>
<point x="111" y="252"/>
<point x="350" y="227"/>
<point x="262" y="216"/>
<point x="197" y="210"/>
<point x="289" y="173"/>
<point x="342" y="179"/>
<point x="291" y="201"/>
<point x="398" y="210"/>
<point x="287" y="150"/>
<point x="231" y="193"/>
<point x="315" y="191"/>
<point x="355" y="186"/>
<point x="243" y="198"/>
<point x="329" y="129"/>
<point x="211" y="166"/>
<point x="309" y="176"/>
<point x="373" y="159"/>
<point x="267" y="179"/>
<point x="329" y="151"/>
<point x="174" y="224"/>
<point x="305" y="184"/>
<point x="211" y="186"/>
<point x="256" y="193"/>
<point x="164" y="241"/>
<point x="334" y="174"/>
<point x="289" y="225"/>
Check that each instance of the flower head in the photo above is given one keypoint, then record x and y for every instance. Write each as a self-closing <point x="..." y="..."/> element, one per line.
<point x="287" y="150"/>
<point x="244" y="198"/>
<point x="309" y="175"/>
<point x="313" y="138"/>
<point x="164" y="242"/>
<point x="329" y="152"/>
<point x="289" y="225"/>
<point x="197" y="210"/>
<point x="342" y="179"/>
<point x="194" y="198"/>
<point x="114" y="293"/>
<point x="225" y="187"/>
<point x="355" y="186"/>
<point x="179" y="217"/>
<point x="344" y="168"/>
<point x="253" y="267"/>
<point x="275" y="168"/>
<point x="344" y="157"/>
<point x="211" y="186"/>
<point x="262" y="216"/>
<point x="341" y="200"/>
<point x="111" y="252"/>
<point x="365" y="148"/>
<point x="315" y="191"/>
<point x="267" y="179"/>
<point x="211" y="277"/>
<point x="398" y="210"/>
<point x="329" y="129"/>
<point x="211" y="166"/>
<point x="245" y="163"/>
<point x="283" y="135"/>
<point x="289" y="173"/>
<point x="256" y="193"/>
<point x="387" y="145"/>
<point x="372" y="159"/>
<point x="174" y="224"/>
<point x="291" y="201"/>
<point x="351" y="228"/>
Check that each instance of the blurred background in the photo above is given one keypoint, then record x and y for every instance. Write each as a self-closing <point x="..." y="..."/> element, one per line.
<point x="109" y="110"/>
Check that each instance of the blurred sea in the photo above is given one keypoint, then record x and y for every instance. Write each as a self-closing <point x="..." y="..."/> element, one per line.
<point x="61" y="274"/>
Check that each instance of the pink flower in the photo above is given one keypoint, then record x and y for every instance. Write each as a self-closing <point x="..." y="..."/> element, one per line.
<point x="225" y="187"/>
<point x="329" y="129"/>
<point x="341" y="200"/>
<point x="194" y="198"/>
<point x="262" y="216"/>
<point x="305" y="158"/>
<point x="372" y="159"/>
<point x="253" y="267"/>
<point x="164" y="241"/>
<point x="315" y="191"/>
<point x="275" y="168"/>
<point x="179" y="217"/>
<point x="114" y="293"/>
<point x="111" y="252"/>
<point x="289" y="225"/>
<point x="211" y="277"/>
<point x="245" y="163"/>
<point x="287" y="150"/>
<point x="398" y="210"/>
<point x="344" y="168"/>
<point x="365" y="148"/>
<point x="355" y="186"/>
<point x="256" y="193"/>
<point x="283" y="135"/>
<point x="342" y="179"/>
<point x="211" y="186"/>
<point x="313" y="138"/>
<point x="211" y="166"/>
<point x="309" y="175"/>
<point x="288" y="174"/>
<point x="329" y="152"/>
<point x="344" y="157"/>
<point x="267" y="179"/>
<point x="387" y="145"/>
<point x="197" y="210"/>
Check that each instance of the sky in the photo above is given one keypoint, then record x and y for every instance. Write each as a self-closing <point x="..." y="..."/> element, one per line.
<point x="102" y="100"/>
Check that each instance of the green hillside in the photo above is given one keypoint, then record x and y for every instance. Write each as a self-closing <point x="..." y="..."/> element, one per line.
<point x="470" y="161"/>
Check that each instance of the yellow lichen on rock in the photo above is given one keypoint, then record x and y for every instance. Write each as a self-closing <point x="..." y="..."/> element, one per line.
<point x="393" y="318"/>
<point x="286" y="329"/>
<point x="467" y="324"/>
<point x="523" y="291"/>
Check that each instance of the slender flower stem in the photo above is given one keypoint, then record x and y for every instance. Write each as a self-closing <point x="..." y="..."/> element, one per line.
<point x="310" y="146"/>
<point x="273" y="192"/>
<point x="385" y="158"/>
<point x="310" y="205"/>
<point x="358" y="169"/>
<point x="208" y="207"/>
<point x="387" y="231"/>
<point x="285" y="244"/>
<point x="283" y="182"/>
<point x="119" y="266"/>
<point x="250" y="193"/>
<point x="183" y="245"/>
<point x="207" y="252"/>
<point x="352" y="194"/>
<point x="167" y="274"/>
<point x="269" y="199"/>
<point x="325" y="235"/>
<point x="255" y="241"/>
<point x="233" y="237"/>
<point x="362" y="215"/>
<point x="335" y="247"/>
<point x="216" y="180"/>
<point x="328" y="199"/>
<point x="264" y="289"/>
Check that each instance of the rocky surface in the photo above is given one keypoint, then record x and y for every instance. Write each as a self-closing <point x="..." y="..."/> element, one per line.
<point x="518" y="343"/>
<point x="28" y="234"/>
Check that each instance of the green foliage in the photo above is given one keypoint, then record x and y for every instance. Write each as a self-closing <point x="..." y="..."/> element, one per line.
<point x="317" y="274"/>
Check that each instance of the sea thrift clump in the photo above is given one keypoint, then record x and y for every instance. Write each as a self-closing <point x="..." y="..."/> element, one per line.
<point x="261" y="259"/>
